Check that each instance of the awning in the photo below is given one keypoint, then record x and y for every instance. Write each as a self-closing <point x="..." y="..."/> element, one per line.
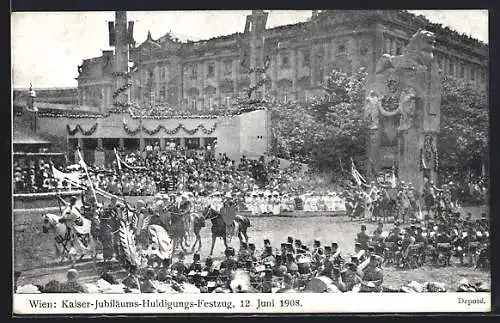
<point x="23" y="136"/>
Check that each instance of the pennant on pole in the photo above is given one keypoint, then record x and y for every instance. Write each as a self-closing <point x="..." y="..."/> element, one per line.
<point x="118" y="161"/>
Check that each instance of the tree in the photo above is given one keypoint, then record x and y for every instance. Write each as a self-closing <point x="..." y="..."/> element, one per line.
<point x="330" y="129"/>
<point x="463" y="141"/>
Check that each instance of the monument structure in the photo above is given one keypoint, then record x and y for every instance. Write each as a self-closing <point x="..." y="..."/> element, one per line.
<point x="403" y="111"/>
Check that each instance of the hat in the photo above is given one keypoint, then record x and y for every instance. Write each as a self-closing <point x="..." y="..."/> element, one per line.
<point x="290" y="239"/>
<point x="72" y="274"/>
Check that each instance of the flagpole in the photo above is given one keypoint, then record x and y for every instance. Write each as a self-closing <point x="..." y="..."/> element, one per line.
<point x="120" y="178"/>
<point x="57" y="189"/>
<point x="88" y="177"/>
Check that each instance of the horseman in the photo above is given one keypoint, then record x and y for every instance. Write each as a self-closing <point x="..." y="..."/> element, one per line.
<point x="229" y="212"/>
<point x="71" y="216"/>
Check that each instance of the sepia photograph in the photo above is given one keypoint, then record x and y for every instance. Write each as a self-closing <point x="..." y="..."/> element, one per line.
<point x="264" y="152"/>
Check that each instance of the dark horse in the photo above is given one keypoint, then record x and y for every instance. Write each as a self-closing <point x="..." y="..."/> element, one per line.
<point x="219" y="229"/>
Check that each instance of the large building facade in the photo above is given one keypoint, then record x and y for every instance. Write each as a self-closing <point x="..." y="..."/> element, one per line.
<point x="203" y="75"/>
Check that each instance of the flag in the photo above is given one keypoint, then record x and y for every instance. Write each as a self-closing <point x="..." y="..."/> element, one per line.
<point x="357" y="176"/>
<point x="121" y="163"/>
<point x="73" y="179"/>
<point x="118" y="161"/>
<point x="393" y="178"/>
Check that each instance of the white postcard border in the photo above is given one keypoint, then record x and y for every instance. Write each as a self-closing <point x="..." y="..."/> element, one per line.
<point x="250" y="303"/>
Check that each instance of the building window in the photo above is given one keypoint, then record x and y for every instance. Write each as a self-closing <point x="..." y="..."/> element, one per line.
<point x="306" y="59"/>
<point x="162" y="92"/>
<point x="194" y="72"/>
<point x="228" y="67"/>
<point x="399" y="48"/>
<point x="285" y="60"/>
<point x="193" y="104"/>
<point x="210" y="102"/>
<point x="473" y="73"/>
<point x="452" y="68"/>
<point x="483" y="77"/>
<point x="163" y="73"/>
<point x="342" y="48"/>
<point x="462" y="71"/>
<point x="210" y="70"/>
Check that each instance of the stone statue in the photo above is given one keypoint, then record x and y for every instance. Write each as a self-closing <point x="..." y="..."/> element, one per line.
<point x="407" y="105"/>
<point x="371" y="109"/>
<point x="417" y="55"/>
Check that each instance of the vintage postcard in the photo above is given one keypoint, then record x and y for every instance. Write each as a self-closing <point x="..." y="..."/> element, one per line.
<point x="165" y="160"/>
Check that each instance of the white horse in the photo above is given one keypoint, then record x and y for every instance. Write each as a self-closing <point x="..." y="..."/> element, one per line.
<point x="73" y="243"/>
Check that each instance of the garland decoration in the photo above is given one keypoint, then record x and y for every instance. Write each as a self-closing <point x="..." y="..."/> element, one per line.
<point x="79" y="128"/>
<point x="173" y="131"/>
<point x="121" y="89"/>
<point x="71" y="116"/>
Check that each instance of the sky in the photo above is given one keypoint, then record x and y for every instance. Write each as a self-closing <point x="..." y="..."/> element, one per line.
<point x="47" y="47"/>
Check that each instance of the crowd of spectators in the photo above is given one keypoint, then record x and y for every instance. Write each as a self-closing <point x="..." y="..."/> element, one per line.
<point x="36" y="177"/>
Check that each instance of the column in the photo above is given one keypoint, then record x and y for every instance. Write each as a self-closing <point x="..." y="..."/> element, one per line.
<point x="99" y="144"/>
<point x="121" y="143"/>
<point x="99" y="158"/>
<point x="202" y="142"/>
<point x="236" y="76"/>
<point x="378" y="48"/>
<point x="295" y="71"/>
<point x="103" y="99"/>
<point x="157" y="85"/>
<point x="162" y="143"/>
<point x="142" y="144"/>
<point x="183" y="142"/>
<point x="312" y="66"/>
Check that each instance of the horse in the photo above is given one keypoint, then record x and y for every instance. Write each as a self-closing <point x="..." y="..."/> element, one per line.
<point x="219" y="228"/>
<point x="78" y="241"/>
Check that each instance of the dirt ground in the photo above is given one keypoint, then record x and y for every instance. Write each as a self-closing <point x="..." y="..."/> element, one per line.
<point x="34" y="254"/>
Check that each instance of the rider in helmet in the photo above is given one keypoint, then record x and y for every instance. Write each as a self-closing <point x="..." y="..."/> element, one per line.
<point x="71" y="214"/>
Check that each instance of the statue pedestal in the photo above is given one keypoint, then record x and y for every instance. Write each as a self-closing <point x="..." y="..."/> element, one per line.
<point x="99" y="158"/>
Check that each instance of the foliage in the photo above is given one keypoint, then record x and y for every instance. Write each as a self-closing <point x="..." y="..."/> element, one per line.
<point x="329" y="129"/>
<point x="463" y="140"/>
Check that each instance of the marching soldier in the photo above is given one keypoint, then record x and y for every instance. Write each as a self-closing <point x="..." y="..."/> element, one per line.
<point x="373" y="276"/>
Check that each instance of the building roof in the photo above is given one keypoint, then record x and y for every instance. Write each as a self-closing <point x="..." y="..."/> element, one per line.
<point x="23" y="136"/>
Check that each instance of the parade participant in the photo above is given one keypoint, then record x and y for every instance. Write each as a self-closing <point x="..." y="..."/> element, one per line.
<point x="147" y="285"/>
<point x="71" y="214"/>
<point x="279" y="269"/>
<point x="198" y="224"/>
<point x="251" y="249"/>
<point x="180" y="266"/>
<point x="363" y="238"/>
<point x="268" y="256"/>
<point x="359" y="252"/>
<point x="229" y="264"/>
<point x="243" y="254"/>
<point x="373" y="276"/>
<point x="72" y="285"/>
<point x="110" y="249"/>
<point x="196" y="260"/>
<point x="349" y="277"/>
<point x="291" y="265"/>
